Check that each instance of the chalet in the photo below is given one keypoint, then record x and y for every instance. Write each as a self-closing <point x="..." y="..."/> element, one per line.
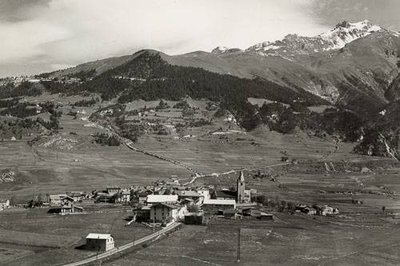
<point x="154" y="199"/>
<point x="60" y="199"/>
<point x="77" y="196"/>
<point x="99" y="242"/>
<point x="104" y="197"/>
<point x="306" y="209"/>
<point x="4" y="204"/>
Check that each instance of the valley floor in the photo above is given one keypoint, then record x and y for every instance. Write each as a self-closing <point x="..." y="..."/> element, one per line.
<point x="324" y="172"/>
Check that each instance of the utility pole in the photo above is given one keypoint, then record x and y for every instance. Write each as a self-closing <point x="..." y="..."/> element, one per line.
<point x="238" y="247"/>
<point x="154" y="221"/>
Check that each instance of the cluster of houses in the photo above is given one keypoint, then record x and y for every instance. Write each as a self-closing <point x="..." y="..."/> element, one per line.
<point x="66" y="203"/>
<point x="317" y="210"/>
<point x="171" y="201"/>
<point x="163" y="202"/>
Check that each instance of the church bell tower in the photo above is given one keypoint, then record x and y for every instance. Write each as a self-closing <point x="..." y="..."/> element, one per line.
<point x="240" y="188"/>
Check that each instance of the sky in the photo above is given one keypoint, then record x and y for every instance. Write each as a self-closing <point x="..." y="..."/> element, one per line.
<point x="45" y="35"/>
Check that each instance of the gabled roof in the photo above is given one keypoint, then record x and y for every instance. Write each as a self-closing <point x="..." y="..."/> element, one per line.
<point x="161" y="198"/>
<point x="188" y="193"/>
<point x="76" y="194"/>
<point x="219" y="202"/>
<point x="98" y="236"/>
<point x="224" y="193"/>
<point x="60" y="197"/>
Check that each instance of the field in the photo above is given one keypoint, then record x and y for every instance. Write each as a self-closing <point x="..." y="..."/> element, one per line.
<point x="290" y="240"/>
<point x="33" y="237"/>
<point x="320" y="171"/>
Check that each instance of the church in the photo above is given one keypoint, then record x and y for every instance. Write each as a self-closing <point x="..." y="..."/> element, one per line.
<point x="243" y="195"/>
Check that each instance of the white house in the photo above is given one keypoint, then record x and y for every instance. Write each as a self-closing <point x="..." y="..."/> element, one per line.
<point x="162" y="212"/>
<point x="153" y="199"/>
<point x="125" y="196"/>
<point x="4" y="204"/>
<point x="99" y="242"/>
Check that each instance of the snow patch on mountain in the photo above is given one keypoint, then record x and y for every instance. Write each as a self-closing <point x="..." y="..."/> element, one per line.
<point x="337" y="38"/>
<point x="346" y="32"/>
<point x="224" y="50"/>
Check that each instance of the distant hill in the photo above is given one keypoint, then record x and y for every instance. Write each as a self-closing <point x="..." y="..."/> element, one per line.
<point x="354" y="68"/>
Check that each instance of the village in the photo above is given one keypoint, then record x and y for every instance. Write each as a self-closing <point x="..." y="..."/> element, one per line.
<point x="163" y="204"/>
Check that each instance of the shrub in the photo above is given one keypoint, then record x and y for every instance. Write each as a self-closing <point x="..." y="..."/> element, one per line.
<point x="106" y="139"/>
<point x="162" y="105"/>
<point x="182" y="105"/>
<point x="85" y="103"/>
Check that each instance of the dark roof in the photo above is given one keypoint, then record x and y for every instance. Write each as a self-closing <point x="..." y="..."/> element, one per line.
<point x="226" y="194"/>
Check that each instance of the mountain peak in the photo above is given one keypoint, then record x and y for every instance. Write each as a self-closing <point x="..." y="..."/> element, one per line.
<point x="293" y="44"/>
<point x="223" y="50"/>
<point x="346" y="32"/>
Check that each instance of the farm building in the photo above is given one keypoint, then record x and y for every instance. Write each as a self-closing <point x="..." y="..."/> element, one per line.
<point x="4" y="204"/>
<point x="66" y="209"/>
<point x="306" y="209"/>
<point x="99" y="242"/>
<point x="188" y="194"/>
<point x="112" y="190"/>
<point x="104" y="197"/>
<point x="60" y="199"/>
<point x="327" y="210"/>
<point x="152" y="199"/>
<point x="77" y="196"/>
<point x="215" y="205"/>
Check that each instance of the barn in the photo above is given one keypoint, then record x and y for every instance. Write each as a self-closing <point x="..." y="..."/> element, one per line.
<point x="99" y="242"/>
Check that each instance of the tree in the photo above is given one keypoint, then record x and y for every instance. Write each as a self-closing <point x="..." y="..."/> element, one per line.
<point x="12" y="200"/>
<point x="193" y="208"/>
